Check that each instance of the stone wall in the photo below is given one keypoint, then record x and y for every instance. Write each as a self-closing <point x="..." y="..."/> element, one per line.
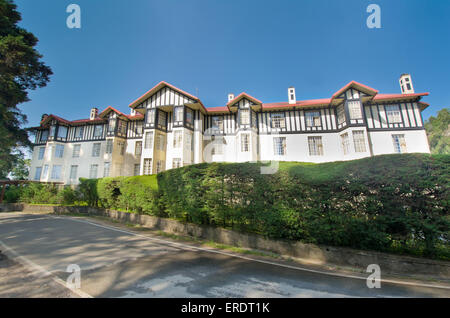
<point x="389" y="263"/>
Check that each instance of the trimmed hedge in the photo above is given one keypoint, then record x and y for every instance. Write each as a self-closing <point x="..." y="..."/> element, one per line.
<point x="386" y="203"/>
<point x="393" y="203"/>
<point x="36" y="193"/>
<point x="131" y="194"/>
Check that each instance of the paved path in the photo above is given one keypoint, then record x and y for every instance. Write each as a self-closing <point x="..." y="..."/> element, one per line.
<point x="117" y="262"/>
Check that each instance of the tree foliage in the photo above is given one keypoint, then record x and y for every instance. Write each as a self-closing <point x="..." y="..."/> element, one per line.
<point x="438" y="131"/>
<point x="21" y="69"/>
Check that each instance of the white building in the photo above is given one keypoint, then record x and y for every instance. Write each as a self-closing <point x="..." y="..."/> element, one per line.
<point x="169" y="128"/>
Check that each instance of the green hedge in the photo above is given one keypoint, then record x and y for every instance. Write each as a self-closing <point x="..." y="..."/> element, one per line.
<point x="386" y="203"/>
<point x="394" y="203"/>
<point x="131" y="194"/>
<point x="36" y="193"/>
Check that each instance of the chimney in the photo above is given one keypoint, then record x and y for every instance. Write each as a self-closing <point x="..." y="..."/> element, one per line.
<point x="44" y="116"/>
<point x="133" y="112"/>
<point x="406" y="84"/>
<point x="291" y="95"/>
<point x="230" y="97"/>
<point x="94" y="113"/>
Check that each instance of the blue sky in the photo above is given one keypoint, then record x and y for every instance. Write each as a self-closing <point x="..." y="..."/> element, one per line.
<point x="213" y="47"/>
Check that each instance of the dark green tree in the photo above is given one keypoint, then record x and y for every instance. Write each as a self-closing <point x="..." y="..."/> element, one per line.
<point x="438" y="131"/>
<point x="21" y="70"/>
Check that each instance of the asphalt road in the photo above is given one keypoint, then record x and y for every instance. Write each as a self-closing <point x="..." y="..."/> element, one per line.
<point x="117" y="262"/>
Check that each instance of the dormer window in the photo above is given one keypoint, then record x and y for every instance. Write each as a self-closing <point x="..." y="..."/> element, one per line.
<point x="178" y="114"/>
<point x="245" y="117"/>
<point x="354" y="109"/>
<point x="151" y="116"/>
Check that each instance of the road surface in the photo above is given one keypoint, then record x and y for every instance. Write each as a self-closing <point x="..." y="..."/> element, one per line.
<point x="118" y="262"/>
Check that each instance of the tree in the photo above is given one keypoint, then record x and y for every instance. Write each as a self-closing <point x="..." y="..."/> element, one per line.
<point x="438" y="131"/>
<point x="21" y="168"/>
<point x="21" y="70"/>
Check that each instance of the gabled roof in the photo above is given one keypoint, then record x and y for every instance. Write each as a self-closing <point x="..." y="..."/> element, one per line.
<point x="156" y="88"/>
<point x="365" y="89"/>
<point x="241" y="96"/>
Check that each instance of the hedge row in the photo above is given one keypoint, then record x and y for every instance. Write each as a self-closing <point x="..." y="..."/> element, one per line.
<point x="385" y="203"/>
<point x="396" y="203"/>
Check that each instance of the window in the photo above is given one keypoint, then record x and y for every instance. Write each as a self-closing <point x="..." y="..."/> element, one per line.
<point x="93" y="172"/>
<point x="56" y="172"/>
<point x="151" y="116"/>
<point x="147" y="167"/>
<point x="189" y="116"/>
<point x="98" y="131"/>
<point x="148" y="140"/>
<point x="121" y="145"/>
<point x="278" y="120"/>
<point x="159" y="166"/>
<point x="189" y="144"/>
<point x="62" y="132"/>
<point x="217" y="123"/>
<point x="138" y="149"/>
<point x="345" y="143"/>
<point x="176" y="163"/>
<point x="341" y="114"/>
<point x="41" y="153"/>
<point x="408" y="86"/>
<point x="160" y="142"/>
<point x="109" y="146"/>
<point x="315" y="146"/>
<point x="139" y="127"/>
<point x="79" y="132"/>
<point x="96" y="150"/>
<point x="393" y="114"/>
<point x="312" y="119"/>
<point x="73" y="172"/>
<point x="52" y="131"/>
<point x="279" y="146"/>
<point x="112" y="125"/>
<point x="122" y="127"/>
<point x="162" y="119"/>
<point x="137" y="169"/>
<point x="76" y="151"/>
<point x="59" y="152"/>
<point x="37" y="175"/>
<point x="45" y="172"/>
<point x="178" y="114"/>
<point x="177" y="139"/>
<point x="354" y="109"/>
<point x="106" y="169"/>
<point x="399" y="143"/>
<point x="359" y="141"/>
<point x="245" y="143"/>
<point x="44" y="135"/>
<point x="245" y="116"/>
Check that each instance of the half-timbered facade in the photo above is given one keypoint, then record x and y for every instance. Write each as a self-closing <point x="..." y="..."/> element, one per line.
<point x="170" y="128"/>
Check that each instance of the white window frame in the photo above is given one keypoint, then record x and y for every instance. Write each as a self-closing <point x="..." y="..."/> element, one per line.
<point x="313" y="118"/>
<point x="73" y="172"/>
<point x="244" y="120"/>
<point x="176" y="163"/>
<point x="76" y="151"/>
<point x="177" y="138"/>
<point x="56" y="172"/>
<point x="245" y="142"/>
<point x="93" y="171"/>
<point x="38" y="174"/>
<point x="96" y="149"/>
<point x="279" y="146"/>
<point x="354" y="109"/>
<point x="399" y="142"/>
<point x="315" y="145"/>
<point x="278" y="120"/>
<point x="393" y="114"/>
<point x="345" y="142"/>
<point x="147" y="166"/>
<point x="41" y="153"/>
<point x="359" y="140"/>
<point x="148" y="140"/>
<point x="59" y="151"/>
